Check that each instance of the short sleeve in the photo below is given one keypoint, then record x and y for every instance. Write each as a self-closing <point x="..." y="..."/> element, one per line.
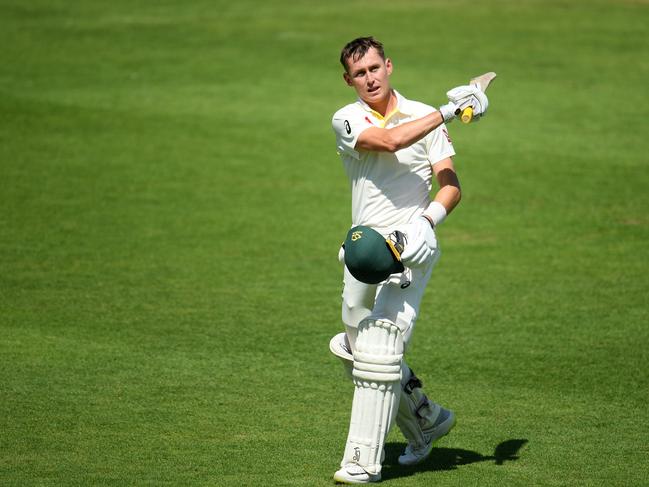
<point x="348" y="124"/>
<point x="441" y="146"/>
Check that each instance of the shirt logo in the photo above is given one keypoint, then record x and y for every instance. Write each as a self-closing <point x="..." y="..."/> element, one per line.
<point x="448" y="137"/>
<point x="348" y="129"/>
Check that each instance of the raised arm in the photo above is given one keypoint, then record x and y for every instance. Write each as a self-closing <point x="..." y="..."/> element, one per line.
<point x="396" y="138"/>
<point x="404" y="135"/>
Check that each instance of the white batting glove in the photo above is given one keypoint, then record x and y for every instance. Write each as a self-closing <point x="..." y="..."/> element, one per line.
<point x="469" y="95"/>
<point x="421" y="243"/>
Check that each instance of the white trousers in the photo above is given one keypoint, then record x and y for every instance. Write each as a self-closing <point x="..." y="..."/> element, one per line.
<point x="397" y="299"/>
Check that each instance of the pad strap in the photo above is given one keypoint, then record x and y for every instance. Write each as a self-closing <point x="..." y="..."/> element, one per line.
<point x="416" y="411"/>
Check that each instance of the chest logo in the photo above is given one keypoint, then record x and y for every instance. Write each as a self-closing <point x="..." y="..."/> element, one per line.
<point x="348" y="129"/>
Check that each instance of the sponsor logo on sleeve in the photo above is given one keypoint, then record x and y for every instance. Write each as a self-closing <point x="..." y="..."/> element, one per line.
<point x="348" y="129"/>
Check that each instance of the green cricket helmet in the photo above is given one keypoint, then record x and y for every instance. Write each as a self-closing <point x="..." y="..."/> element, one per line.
<point x="370" y="257"/>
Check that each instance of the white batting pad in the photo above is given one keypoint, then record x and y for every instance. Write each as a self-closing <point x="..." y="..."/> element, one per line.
<point x="376" y="375"/>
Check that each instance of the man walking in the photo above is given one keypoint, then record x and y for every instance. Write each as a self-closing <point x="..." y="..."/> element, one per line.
<point x="392" y="149"/>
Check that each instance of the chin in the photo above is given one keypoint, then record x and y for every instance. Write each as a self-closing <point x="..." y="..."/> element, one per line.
<point x="376" y="95"/>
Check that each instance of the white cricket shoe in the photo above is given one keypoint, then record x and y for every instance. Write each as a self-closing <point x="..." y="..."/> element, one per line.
<point x="415" y="454"/>
<point x="355" y="474"/>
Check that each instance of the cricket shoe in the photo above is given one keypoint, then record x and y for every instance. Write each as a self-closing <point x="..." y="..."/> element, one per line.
<point x="355" y="474"/>
<point x="415" y="454"/>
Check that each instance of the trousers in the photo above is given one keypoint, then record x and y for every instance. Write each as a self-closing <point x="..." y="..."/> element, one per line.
<point x="397" y="299"/>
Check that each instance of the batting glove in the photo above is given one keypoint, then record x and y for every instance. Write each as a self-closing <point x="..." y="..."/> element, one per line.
<point x="421" y="243"/>
<point x="465" y="96"/>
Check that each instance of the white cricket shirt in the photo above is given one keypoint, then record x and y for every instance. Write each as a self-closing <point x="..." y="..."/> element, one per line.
<point x="388" y="189"/>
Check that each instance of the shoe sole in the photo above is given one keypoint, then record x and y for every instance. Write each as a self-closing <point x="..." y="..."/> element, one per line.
<point x="344" y="480"/>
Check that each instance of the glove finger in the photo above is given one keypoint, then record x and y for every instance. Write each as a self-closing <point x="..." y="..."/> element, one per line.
<point x="414" y="257"/>
<point x="427" y="255"/>
<point x="455" y="93"/>
<point x="408" y="257"/>
<point x="411" y="249"/>
<point x="408" y="262"/>
<point x="460" y="92"/>
<point x="458" y="100"/>
<point x="471" y="101"/>
<point x="482" y="102"/>
<point x="420" y="258"/>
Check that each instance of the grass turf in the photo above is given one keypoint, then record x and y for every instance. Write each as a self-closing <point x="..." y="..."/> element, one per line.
<point x="171" y="206"/>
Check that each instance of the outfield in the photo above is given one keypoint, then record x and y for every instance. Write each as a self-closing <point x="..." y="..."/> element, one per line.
<point x="171" y="206"/>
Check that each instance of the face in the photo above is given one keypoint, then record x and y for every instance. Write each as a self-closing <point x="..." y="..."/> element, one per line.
<point x="370" y="77"/>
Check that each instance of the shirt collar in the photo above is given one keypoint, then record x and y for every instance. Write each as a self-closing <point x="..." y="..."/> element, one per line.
<point x="403" y="106"/>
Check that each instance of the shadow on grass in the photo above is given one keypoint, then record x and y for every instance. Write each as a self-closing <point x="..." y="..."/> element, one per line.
<point x="448" y="458"/>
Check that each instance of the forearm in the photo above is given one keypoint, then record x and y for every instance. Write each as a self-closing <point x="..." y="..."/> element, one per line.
<point x="448" y="196"/>
<point x="396" y="138"/>
<point x="407" y="134"/>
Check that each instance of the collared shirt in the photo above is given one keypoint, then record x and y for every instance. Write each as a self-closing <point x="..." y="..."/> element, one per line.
<point x="388" y="189"/>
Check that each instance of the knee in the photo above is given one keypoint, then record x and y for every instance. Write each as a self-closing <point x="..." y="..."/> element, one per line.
<point x="381" y="336"/>
<point x="379" y="351"/>
<point x="354" y="312"/>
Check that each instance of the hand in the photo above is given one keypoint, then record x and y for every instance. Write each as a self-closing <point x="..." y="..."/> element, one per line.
<point x="469" y="95"/>
<point x="421" y="242"/>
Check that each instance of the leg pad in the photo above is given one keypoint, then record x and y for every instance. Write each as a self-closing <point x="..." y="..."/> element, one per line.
<point x="377" y="376"/>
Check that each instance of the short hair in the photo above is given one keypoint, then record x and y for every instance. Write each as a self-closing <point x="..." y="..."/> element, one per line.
<point x="357" y="48"/>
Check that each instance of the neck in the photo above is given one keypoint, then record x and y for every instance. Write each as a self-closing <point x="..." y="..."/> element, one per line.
<point x="386" y="105"/>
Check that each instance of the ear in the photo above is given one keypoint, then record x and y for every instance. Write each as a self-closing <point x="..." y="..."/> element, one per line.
<point x="347" y="78"/>
<point x="388" y="65"/>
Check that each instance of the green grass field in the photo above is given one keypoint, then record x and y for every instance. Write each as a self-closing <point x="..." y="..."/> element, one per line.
<point x="171" y="205"/>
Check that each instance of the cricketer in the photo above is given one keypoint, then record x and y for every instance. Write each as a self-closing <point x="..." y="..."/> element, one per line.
<point x="392" y="149"/>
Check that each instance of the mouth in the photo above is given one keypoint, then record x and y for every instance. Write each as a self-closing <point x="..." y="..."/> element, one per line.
<point x="374" y="89"/>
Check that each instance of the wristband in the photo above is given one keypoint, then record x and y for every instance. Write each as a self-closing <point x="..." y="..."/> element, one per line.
<point x="448" y="112"/>
<point x="436" y="213"/>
